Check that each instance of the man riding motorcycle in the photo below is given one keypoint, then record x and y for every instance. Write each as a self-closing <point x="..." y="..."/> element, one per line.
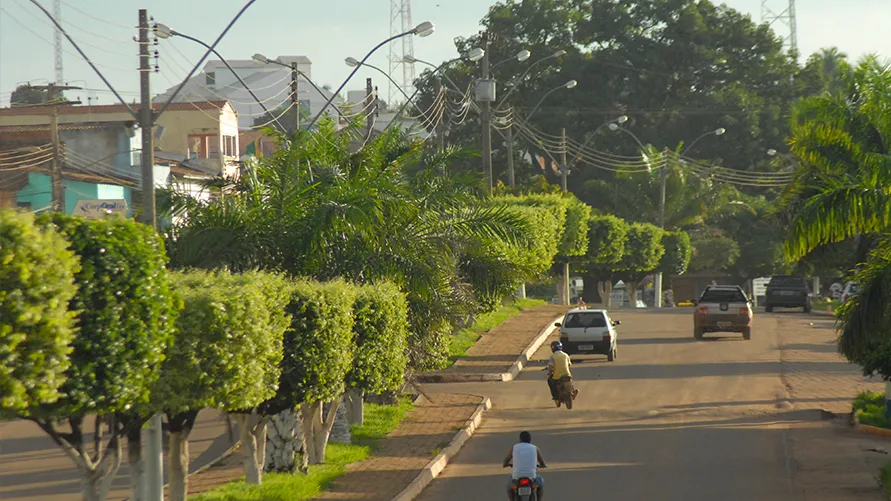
<point x="558" y="368"/>
<point x="525" y="458"/>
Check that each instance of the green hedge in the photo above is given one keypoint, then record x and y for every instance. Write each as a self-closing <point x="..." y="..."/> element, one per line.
<point x="319" y="344"/>
<point x="643" y="249"/>
<point x="126" y="312"/>
<point x="380" y="325"/>
<point x="36" y="284"/>
<point x="228" y="345"/>
<point x="678" y="250"/>
<point x="607" y="236"/>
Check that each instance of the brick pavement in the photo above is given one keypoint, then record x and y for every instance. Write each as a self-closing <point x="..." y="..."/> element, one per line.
<point x="499" y="348"/>
<point x="428" y="427"/>
<point x="814" y="373"/>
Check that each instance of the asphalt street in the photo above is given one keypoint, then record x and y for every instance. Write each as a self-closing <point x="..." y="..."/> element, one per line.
<point x="672" y="419"/>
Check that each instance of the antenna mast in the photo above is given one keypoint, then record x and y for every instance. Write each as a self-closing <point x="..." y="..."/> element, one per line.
<point x="400" y="22"/>
<point x="787" y="17"/>
<point x="57" y="38"/>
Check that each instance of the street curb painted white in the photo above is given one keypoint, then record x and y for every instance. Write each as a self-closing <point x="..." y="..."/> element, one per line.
<point x="435" y="467"/>
<point x="513" y="372"/>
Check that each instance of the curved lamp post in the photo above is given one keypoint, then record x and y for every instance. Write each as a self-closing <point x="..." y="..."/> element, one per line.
<point x="717" y="132"/>
<point x="520" y="57"/>
<point x="517" y="80"/>
<point x="165" y="31"/>
<point x="568" y="85"/>
<point x="261" y="59"/>
<point x="422" y="30"/>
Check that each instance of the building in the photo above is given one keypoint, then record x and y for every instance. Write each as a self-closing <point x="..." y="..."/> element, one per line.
<point x="271" y="83"/>
<point x="100" y="145"/>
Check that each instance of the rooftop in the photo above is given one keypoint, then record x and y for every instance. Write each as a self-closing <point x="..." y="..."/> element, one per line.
<point x="113" y="108"/>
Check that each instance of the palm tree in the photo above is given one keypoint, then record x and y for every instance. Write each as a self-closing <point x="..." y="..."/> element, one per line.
<point x="843" y="191"/>
<point x="386" y="211"/>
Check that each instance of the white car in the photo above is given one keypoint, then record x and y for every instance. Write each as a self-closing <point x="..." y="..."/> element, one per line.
<point x="589" y="332"/>
<point x="851" y="290"/>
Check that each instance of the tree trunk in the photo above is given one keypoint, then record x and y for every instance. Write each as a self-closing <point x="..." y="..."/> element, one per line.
<point x="178" y="451"/>
<point x="561" y="290"/>
<point x="631" y="287"/>
<point x="340" y="431"/>
<point x="253" y="469"/>
<point x="605" y="289"/>
<point x="317" y="429"/>
<point x="283" y="441"/>
<point x="355" y="406"/>
<point x="136" y="463"/>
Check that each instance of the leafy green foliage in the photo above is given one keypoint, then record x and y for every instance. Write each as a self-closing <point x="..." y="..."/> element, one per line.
<point x="607" y="237"/>
<point x="643" y="249"/>
<point x="228" y="344"/>
<point x="869" y="408"/>
<point x="36" y="284"/>
<point x="381" y="329"/>
<point x="713" y="251"/>
<point x="574" y="240"/>
<point x="126" y="313"/>
<point x="678" y="250"/>
<point x="320" y="344"/>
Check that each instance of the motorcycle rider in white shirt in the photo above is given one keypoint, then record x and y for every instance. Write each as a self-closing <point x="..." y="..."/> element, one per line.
<point x="525" y="457"/>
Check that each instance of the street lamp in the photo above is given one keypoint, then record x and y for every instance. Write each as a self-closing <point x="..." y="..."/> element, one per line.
<point x="520" y="56"/>
<point x="422" y="30"/>
<point x="568" y="85"/>
<point x="164" y="31"/>
<point x="717" y="132"/>
<point x="515" y="82"/>
<point x="353" y="63"/>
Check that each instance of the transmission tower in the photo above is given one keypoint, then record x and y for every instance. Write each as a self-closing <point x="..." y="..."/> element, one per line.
<point x="786" y="16"/>
<point x="400" y="22"/>
<point x="57" y="38"/>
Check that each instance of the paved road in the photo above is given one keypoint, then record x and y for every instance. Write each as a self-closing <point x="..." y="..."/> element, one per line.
<point x="671" y="420"/>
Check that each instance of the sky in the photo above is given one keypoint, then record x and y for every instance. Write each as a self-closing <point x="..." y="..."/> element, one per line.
<point x="325" y="31"/>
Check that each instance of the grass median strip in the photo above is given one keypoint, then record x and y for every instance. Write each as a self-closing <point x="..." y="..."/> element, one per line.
<point x="380" y="420"/>
<point x="870" y="409"/>
<point x="466" y="338"/>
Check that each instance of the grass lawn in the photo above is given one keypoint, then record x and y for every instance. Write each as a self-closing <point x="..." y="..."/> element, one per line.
<point x="870" y="409"/>
<point x="885" y="479"/>
<point x="465" y="338"/>
<point x="822" y="304"/>
<point x="380" y="420"/>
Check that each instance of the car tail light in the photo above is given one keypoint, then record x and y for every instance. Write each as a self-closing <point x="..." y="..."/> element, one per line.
<point x="607" y="337"/>
<point x="745" y="311"/>
<point x="703" y="310"/>
<point x="524" y="482"/>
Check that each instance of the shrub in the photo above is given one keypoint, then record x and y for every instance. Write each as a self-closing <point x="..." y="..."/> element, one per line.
<point x="381" y="329"/>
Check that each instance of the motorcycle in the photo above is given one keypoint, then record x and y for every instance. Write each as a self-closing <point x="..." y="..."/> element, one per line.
<point x="524" y="488"/>
<point x="564" y="389"/>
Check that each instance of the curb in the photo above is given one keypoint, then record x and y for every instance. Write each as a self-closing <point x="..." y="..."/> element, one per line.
<point x="869" y="430"/>
<point x="435" y="467"/>
<point x="512" y="373"/>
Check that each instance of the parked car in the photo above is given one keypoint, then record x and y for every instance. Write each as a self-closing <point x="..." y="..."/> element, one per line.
<point x="784" y="291"/>
<point x="589" y="332"/>
<point x="851" y="290"/>
<point x="723" y="308"/>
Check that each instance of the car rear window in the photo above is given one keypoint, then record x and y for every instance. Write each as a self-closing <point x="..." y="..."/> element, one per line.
<point x="723" y="296"/>
<point x="786" y="282"/>
<point x="585" y="319"/>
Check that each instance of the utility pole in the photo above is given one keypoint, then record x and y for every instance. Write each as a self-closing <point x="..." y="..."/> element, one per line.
<point x="54" y="99"/>
<point x="486" y="94"/>
<point x="440" y="127"/>
<point x="295" y="97"/>
<point x="154" y="460"/>
<point x="510" y="154"/>
<point x="369" y="108"/>
<point x="58" y="186"/>
<point x="564" y="172"/>
<point x="663" y="174"/>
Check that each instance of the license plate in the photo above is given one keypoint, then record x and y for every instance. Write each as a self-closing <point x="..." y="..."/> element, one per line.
<point x="724" y="324"/>
<point x="787" y="293"/>
<point x="586" y="347"/>
<point x="525" y="491"/>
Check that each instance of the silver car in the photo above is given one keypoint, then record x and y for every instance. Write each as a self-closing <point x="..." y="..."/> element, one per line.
<point x="589" y="332"/>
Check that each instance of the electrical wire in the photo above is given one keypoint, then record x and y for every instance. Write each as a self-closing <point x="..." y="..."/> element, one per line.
<point x="110" y="23"/>
<point x="45" y="23"/>
<point x="256" y="127"/>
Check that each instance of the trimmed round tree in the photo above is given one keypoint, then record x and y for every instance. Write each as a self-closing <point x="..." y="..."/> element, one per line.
<point x="643" y="252"/>
<point x="678" y="250"/>
<point x="226" y="354"/>
<point x="126" y="313"/>
<point x="36" y="284"/>
<point x="607" y="235"/>
<point x="380" y="358"/>
<point x="318" y="353"/>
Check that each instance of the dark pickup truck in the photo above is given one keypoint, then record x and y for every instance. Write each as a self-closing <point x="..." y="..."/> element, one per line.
<point x="787" y="292"/>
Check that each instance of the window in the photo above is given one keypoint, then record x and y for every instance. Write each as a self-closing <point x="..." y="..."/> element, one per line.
<point x="203" y="146"/>
<point x="24" y="205"/>
<point x="587" y="319"/>
<point x="782" y="281"/>
<point x="229" y="148"/>
<point x="210" y="78"/>
<point x="723" y="296"/>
